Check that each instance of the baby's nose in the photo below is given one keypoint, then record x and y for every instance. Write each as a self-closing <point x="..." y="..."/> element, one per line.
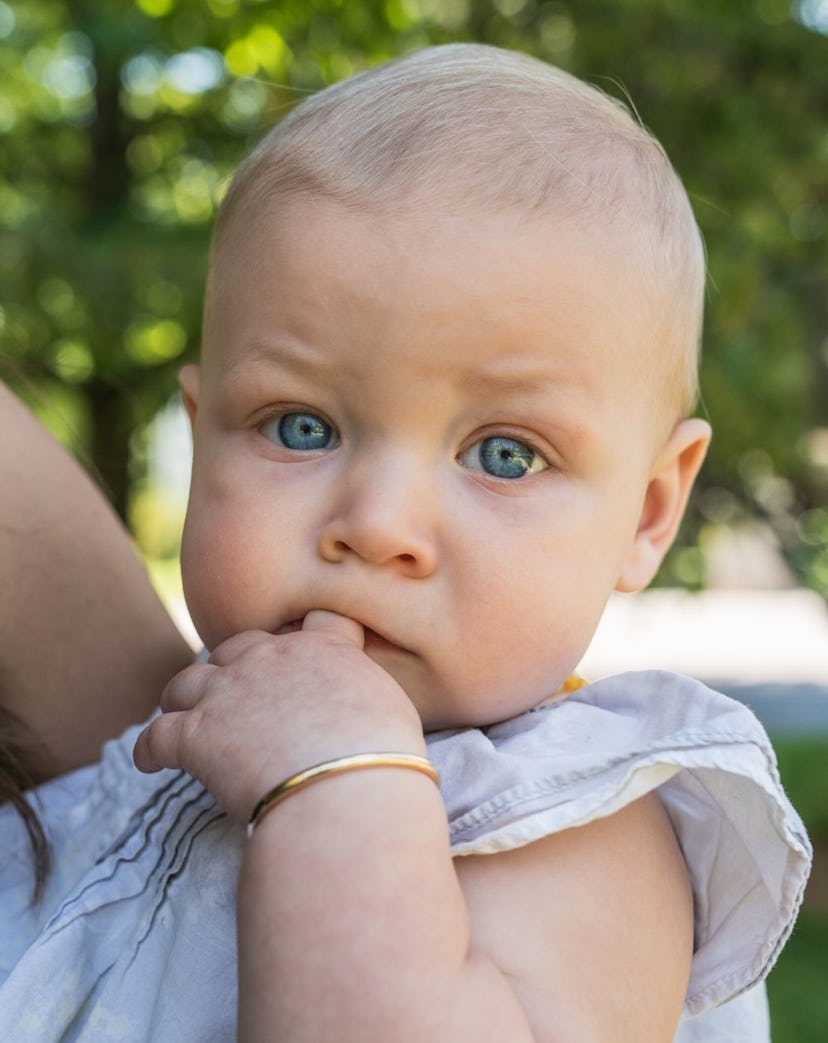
<point x="386" y="521"/>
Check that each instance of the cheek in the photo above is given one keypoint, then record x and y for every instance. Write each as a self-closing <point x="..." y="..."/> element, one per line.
<point x="539" y="600"/>
<point x="220" y="564"/>
<point x="202" y="573"/>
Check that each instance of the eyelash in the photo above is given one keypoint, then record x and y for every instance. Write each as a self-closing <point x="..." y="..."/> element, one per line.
<point x="318" y="426"/>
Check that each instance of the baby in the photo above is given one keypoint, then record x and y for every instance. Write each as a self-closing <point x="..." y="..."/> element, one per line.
<point x="442" y="412"/>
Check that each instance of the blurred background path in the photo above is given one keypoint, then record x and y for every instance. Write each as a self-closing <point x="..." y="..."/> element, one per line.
<point x="767" y="648"/>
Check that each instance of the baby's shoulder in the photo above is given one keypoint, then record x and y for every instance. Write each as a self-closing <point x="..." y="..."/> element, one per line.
<point x="611" y="741"/>
<point x="598" y="751"/>
<point x="626" y="867"/>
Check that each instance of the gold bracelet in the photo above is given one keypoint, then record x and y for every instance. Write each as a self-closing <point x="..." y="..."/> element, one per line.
<point x="356" y="762"/>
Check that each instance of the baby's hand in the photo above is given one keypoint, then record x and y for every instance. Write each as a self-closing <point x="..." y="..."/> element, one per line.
<point x="265" y="707"/>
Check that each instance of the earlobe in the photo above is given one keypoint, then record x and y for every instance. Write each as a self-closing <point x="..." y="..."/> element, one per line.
<point x="665" y="501"/>
<point x="189" y="378"/>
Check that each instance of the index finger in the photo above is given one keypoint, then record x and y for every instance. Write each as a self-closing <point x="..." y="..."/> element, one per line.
<point x="331" y="623"/>
<point x="233" y="647"/>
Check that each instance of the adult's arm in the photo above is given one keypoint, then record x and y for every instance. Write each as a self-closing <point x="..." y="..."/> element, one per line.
<point x="86" y="646"/>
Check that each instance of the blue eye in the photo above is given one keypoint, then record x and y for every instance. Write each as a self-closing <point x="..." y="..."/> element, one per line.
<point x="302" y="432"/>
<point x="503" y="457"/>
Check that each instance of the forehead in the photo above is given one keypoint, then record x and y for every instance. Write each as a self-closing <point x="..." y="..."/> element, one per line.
<point x="315" y="238"/>
<point x="504" y="296"/>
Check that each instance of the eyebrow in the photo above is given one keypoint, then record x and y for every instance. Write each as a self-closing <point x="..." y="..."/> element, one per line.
<point x="517" y="383"/>
<point x="520" y="379"/>
<point x="512" y="378"/>
<point x="288" y="353"/>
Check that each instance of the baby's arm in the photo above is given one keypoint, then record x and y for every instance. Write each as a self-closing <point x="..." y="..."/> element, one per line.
<point x="593" y="926"/>
<point x="85" y="645"/>
<point x="354" y="921"/>
<point x="364" y="922"/>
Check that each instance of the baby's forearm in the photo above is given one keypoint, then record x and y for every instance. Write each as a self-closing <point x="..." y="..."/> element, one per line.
<point x="352" y="924"/>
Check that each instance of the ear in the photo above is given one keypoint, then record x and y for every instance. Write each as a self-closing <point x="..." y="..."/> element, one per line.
<point x="667" y="493"/>
<point x="189" y="378"/>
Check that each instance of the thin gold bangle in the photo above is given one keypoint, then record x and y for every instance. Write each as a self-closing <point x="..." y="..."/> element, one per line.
<point x="356" y="762"/>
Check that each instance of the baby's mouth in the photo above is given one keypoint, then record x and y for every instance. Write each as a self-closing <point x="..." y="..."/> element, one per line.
<point x="289" y="628"/>
<point x="373" y="641"/>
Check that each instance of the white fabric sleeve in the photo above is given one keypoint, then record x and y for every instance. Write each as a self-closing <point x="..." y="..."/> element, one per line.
<point x="599" y="749"/>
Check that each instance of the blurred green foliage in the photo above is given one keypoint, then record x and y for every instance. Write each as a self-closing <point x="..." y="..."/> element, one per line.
<point x="120" y="123"/>
<point x="796" y="986"/>
<point x="802" y="762"/>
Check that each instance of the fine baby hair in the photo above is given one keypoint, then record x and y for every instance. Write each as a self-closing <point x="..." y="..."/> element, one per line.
<point x="468" y="128"/>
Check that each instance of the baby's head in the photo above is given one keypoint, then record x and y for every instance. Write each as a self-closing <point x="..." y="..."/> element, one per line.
<point x="474" y="131"/>
<point x="451" y="332"/>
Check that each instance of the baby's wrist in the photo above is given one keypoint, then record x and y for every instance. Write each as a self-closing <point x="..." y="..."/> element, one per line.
<point x="330" y="748"/>
<point x="331" y="770"/>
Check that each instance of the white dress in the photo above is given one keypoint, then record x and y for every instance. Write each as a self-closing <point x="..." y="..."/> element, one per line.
<point x="134" y="939"/>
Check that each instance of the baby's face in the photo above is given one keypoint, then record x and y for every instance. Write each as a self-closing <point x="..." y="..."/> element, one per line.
<point x="437" y="426"/>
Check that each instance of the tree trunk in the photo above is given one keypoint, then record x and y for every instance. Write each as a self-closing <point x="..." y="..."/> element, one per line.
<point x="104" y="203"/>
<point x="111" y="424"/>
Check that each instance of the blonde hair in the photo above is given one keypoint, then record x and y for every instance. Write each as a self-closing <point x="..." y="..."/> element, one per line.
<point x="469" y="128"/>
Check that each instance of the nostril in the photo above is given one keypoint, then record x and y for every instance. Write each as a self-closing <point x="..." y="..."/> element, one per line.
<point x="376" y="547"/>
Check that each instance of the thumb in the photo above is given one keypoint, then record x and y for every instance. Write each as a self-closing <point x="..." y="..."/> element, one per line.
<point x="341" y="628"/>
